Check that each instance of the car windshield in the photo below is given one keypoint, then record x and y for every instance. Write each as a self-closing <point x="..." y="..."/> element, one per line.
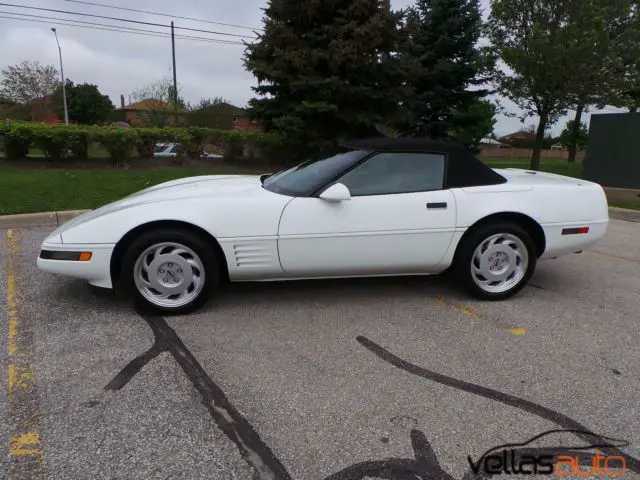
<point x="306" y="177"/>
<point x="159" y="148"/>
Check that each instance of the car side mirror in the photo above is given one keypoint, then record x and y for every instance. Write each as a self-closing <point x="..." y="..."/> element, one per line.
<point x="337" y="192"/>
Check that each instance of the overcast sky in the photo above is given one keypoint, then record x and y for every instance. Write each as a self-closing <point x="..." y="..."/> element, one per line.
<point x="119" y="63"/>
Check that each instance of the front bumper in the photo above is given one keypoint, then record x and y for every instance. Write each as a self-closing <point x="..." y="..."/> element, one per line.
<point x="66" y="259"/>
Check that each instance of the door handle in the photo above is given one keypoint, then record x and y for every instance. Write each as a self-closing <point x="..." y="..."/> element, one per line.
<point x="437" y="205"/>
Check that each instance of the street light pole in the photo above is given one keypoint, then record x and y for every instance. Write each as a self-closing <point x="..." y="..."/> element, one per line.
<point x="64" y="90"/>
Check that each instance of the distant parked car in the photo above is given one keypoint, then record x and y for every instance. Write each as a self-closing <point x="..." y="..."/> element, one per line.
<point x="163" y="150"/>
<point x="173" y="149"/>
<point x="211" y="156"/>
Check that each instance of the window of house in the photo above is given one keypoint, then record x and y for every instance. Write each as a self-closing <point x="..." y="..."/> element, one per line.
<point x="235" y="119"/>
<point x="393" y="173"/>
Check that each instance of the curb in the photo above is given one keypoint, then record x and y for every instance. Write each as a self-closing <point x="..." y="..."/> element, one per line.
<point x="54" y="219"/>
<point x="42" y="219"/>
<point x="624" y="214"/>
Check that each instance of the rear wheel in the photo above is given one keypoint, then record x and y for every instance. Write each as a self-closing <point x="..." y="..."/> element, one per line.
<point x="495" y="261"/>
<point x="170" y="270"/>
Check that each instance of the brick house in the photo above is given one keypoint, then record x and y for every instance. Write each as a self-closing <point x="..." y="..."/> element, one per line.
<point x="149" y="110"/>
<point x="221" y="115"/>
<point x="41" y="110"/>
<point x="528" y="135"/>
<point x="225" y="116"/>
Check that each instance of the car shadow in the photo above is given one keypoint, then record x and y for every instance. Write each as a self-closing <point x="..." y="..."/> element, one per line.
<point x="282" y="292"/>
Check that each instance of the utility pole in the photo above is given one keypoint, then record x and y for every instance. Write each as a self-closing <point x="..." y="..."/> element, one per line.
<point x="175" y="81"/>
<point x="64" y="90"/>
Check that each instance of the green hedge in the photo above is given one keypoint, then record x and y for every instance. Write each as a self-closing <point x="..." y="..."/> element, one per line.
<point x="60" y="142"/>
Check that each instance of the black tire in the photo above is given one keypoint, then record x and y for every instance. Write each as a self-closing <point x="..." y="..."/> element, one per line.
<point x="461" y="269"/>
<point x="189" y="239"/>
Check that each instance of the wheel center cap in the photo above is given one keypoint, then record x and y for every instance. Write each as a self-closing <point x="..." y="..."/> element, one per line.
<point x="498" y="262"/>
<point x="170" y="274"/>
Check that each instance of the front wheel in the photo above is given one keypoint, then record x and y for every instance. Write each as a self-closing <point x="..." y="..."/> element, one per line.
<point x="495" y="262"/>
<point x="171" y="271"/>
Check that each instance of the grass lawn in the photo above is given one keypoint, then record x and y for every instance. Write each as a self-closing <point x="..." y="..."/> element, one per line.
<point x="28" y="191"/>
<point x="40" y="190"/>
<point x="627" y="205"/>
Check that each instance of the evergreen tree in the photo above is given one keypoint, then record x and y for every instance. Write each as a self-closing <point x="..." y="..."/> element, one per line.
<point x="322" y="72"/>
<point x="446" y="65"/>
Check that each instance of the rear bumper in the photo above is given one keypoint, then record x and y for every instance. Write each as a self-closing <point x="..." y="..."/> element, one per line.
<point x="63" y="259"/>
<point x="559" y="244"/>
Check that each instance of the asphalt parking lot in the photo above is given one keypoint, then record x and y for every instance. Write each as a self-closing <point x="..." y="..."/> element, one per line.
<point x="318" y="380"/>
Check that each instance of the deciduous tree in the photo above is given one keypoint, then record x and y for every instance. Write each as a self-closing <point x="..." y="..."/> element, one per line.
<point x="568" y="137"/>
<point x="85" y="104"/>
<point x="535" y="48"/>
<point x="602" y="33"/>
<point x="158" y="98"/>
<point x="27" y="81"/>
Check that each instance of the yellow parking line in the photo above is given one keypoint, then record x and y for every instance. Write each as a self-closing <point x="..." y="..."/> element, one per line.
<point x="518" y="331"/>
<point x="617" y="257"/>
<point x="469" y="312"/>
<point x="473" y="314"/>
<point x="25" y="446"/>
<point x="21" y="377"/>
<point x="12" y="304"/>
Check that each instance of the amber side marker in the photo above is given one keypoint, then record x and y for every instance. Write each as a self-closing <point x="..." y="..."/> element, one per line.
<point x="69" y="256"/>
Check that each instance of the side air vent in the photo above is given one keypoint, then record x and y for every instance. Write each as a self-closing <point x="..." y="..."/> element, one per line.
<point x="252" y="255"/>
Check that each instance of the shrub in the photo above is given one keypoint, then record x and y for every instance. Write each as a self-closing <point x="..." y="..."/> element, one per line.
<point x="62" y="141"/>
<point x="55" y="141"/>
<point x="79" y="139"/>
<point x="181" y="136"/>
<point x="199" y="136"/>
<point x="118" y="141"/>
<point x="147" y="139"/>
<point x="16" y="138"/>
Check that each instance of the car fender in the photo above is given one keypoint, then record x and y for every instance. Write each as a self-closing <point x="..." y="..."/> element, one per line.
<point x="222" y="218"/>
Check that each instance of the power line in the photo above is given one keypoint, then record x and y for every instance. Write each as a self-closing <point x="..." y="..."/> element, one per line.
<point x="162" y="14"/>
<point x="122" y="20"/>
<point x="164" y="34"/>
<point x="112" y="28"/>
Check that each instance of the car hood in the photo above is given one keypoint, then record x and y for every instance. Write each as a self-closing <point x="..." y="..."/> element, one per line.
<point x="210" y="186"/>
<point x="206" y="185"/>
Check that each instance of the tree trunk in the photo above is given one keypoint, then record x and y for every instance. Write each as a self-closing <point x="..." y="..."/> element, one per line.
<point x="573" y="138"/>
<point x="537" y="146"/>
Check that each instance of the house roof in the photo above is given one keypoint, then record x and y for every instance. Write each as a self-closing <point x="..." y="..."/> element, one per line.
<point x="490" y="141"/>
<point x="225" y="108"/>
<point x="152" y="104"/>
<point x="521" y="134"/>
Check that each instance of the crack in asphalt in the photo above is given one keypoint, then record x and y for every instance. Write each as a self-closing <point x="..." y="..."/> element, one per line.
<point x="423" y="466"/>
<point x="226" y="416"/>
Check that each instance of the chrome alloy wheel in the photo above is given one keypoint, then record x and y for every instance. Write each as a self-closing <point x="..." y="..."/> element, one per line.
<point x="499" y="263"/>
<point x="169" y="274"/>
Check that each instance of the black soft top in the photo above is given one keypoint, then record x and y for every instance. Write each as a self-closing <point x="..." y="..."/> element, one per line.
<point x="463" y="168"/>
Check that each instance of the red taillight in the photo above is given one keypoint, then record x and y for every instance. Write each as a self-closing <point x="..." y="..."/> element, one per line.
<point x="575" y="231"/>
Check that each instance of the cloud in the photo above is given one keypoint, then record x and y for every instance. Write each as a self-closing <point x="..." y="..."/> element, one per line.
<point x="120" y="63"/>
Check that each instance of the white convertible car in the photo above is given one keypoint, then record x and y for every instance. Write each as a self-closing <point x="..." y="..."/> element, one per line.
<point x="383" y="207"/>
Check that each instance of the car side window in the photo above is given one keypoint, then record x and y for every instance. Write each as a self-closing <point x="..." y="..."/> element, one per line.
<point x="393" y="173"/>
